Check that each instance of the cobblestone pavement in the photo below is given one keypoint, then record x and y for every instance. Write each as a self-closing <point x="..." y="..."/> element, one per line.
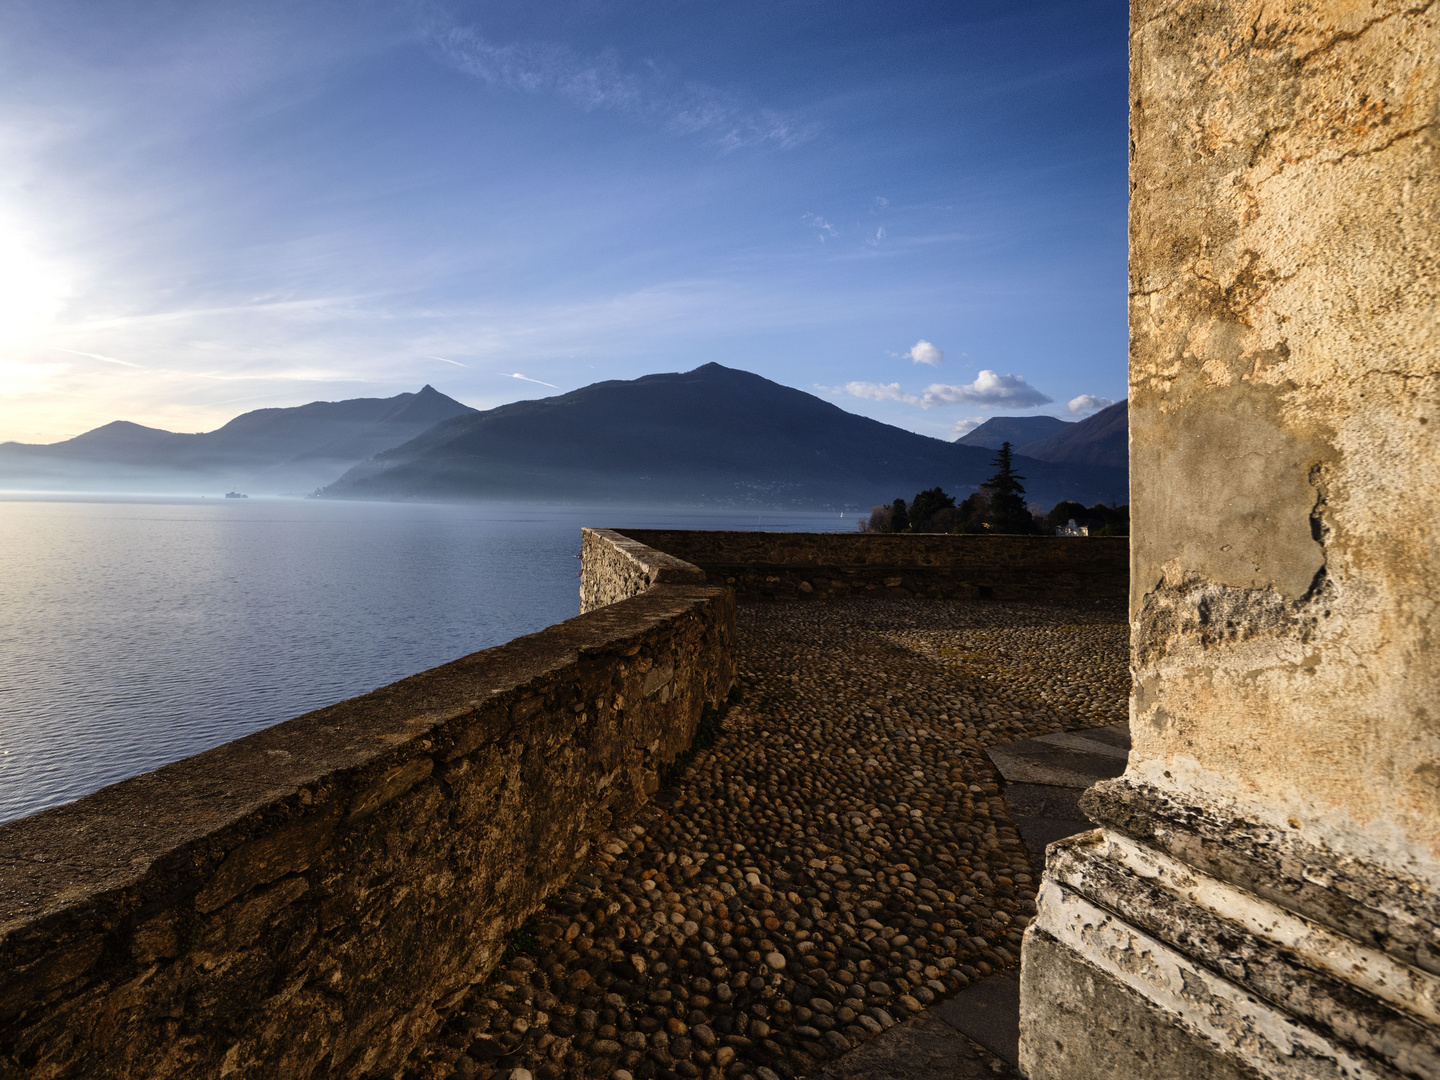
<point x="839" y="859"/>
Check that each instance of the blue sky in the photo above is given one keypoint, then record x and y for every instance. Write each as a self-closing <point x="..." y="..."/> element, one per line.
<point x="915" y="210"/>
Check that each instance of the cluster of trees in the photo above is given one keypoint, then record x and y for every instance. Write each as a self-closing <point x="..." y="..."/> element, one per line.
<point x="999" y="507"/>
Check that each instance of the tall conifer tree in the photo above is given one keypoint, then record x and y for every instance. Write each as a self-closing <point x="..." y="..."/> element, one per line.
<point x="1007" y="496"/>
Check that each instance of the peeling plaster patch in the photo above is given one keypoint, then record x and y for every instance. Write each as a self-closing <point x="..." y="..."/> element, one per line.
<point x="1202" y="614"/>
<point x="1225" y="491"/>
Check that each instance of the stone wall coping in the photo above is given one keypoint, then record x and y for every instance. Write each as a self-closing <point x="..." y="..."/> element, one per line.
<point x="659" y="566"/>
<point x="900" y="543"/>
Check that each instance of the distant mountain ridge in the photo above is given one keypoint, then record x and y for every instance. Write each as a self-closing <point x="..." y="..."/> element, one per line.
<point x="1100" y="440"/>
<point x="712" y="436"/>
<point x="1016" y="430"/>
<point x="277" y="449"/>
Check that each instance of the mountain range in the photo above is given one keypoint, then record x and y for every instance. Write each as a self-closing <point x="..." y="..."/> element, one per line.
<point x="274" y="450"/>
<point x="1100" y="440"/>
<point x="712" y="436"/>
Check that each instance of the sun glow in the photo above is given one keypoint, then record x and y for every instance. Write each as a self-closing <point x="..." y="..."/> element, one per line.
<point x="33" y="288"/>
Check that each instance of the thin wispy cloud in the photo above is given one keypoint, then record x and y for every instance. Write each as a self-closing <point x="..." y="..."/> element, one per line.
<point x="870" y="391"/>
<point x="823" y="229"/>
<point x="1088" y="403"/>
<point x="601" y="81"/>
<point x="444" y="361"/>
<point x="526" y="378"/>
<point x="98" y="356"/>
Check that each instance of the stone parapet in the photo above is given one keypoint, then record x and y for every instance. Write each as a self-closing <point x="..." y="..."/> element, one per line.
<point x="298" y="903"/>
<point x="799" y="566"/>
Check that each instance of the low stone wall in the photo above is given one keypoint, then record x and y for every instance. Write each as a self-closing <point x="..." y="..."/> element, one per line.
<point x="774" y="566"/>
<point x="299" y="902"/>
<point x="614" y="567"/>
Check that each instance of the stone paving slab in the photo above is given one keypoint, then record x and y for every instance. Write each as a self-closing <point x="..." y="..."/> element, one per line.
<point x="1115" y="734"/>
<point x="1062" y="759"/>
<point x="1043" y="801"/>
<point x="1038" y="833"/>
<point x="988" y="1012"/>
<point x="1082" y="740"/>
<point x="923" y="1048"/>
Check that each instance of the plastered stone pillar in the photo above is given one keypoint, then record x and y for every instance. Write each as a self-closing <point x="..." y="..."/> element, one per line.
<point x="1263" y="897"/>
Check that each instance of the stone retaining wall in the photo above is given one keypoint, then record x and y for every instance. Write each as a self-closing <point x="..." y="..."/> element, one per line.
<point x="773" y="566"/>
<point x="299" y="902"/>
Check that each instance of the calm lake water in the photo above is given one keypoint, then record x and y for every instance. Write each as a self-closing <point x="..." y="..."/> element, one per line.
<point x="137" y="631"/>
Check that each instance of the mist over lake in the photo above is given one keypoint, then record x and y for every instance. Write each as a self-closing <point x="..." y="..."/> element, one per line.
<point x="139" y="630"/>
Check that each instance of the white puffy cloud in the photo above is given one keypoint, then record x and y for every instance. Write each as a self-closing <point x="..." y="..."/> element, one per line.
<point x="1088" y="403"/>
<point x="967" y="425"/>
<point x="922" y="352"/>
<point x="989" y="388"/>
<point x="874" y="392"/>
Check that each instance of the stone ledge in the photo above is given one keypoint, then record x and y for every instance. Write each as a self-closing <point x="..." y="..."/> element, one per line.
<point x="1359" y="1001"/>
<point x="1078" y="1019"/>
<point x="1370" y="903"/>
<point x="1238" y="1024"/>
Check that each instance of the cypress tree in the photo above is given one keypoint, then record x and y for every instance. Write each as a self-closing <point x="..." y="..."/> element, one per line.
<point x="1007" y="496"/>
<point x="899" y="519"/>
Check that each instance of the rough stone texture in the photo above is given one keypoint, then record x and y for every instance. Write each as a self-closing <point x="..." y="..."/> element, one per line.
<point x="298" y="903"/>
<point x="818" y="566"/>
<point x="1263" y="891"/>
